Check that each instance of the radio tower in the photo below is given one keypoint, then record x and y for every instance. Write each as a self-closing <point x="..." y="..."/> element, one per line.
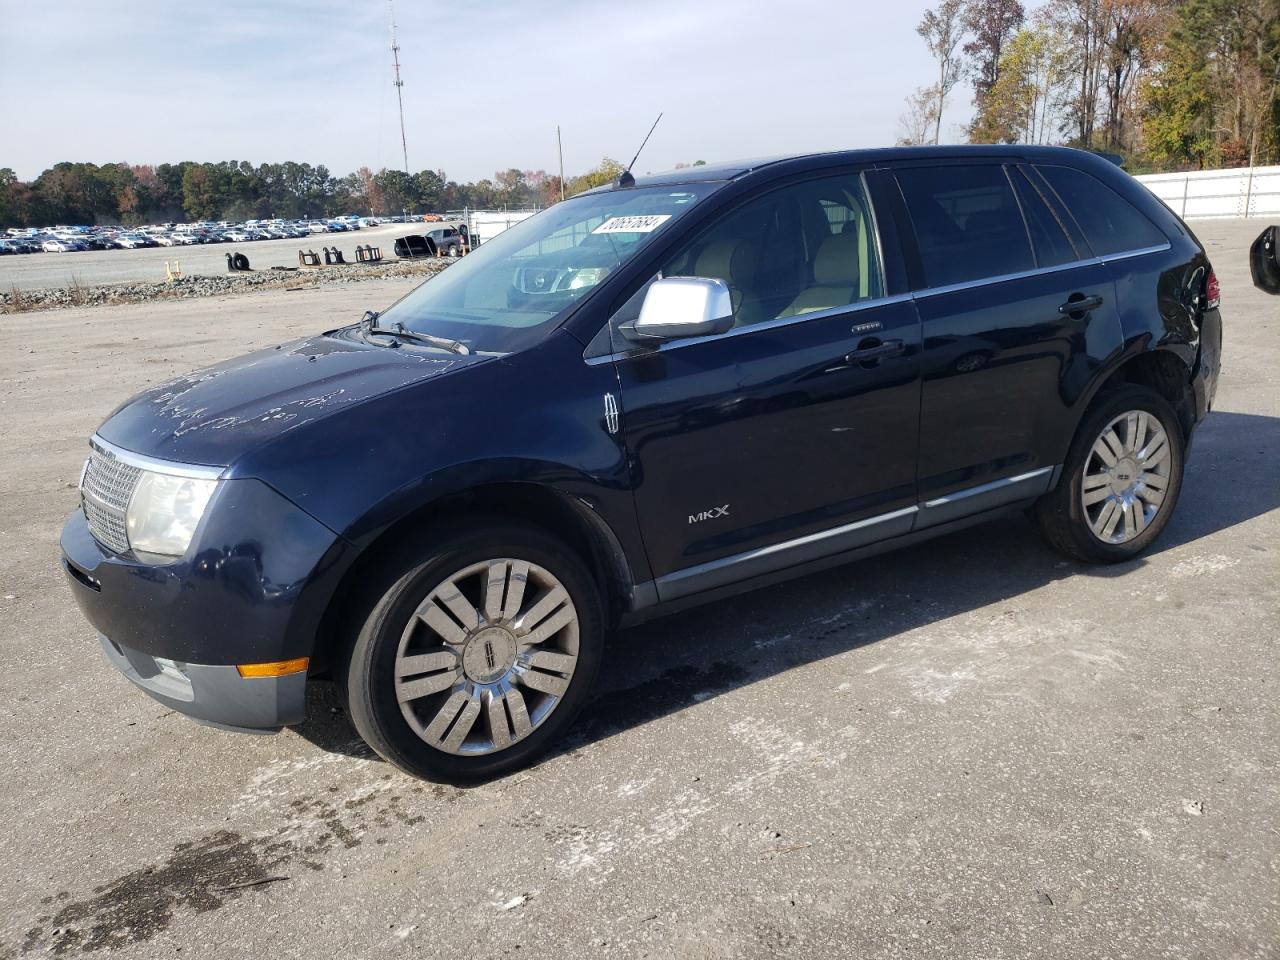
<point x="395" y="57"/>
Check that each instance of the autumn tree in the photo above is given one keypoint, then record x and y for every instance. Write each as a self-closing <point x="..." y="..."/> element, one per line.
<point x="991" y="24"/>
<point x="1214" y="96"/>
<point x="918" y="124"/>
<point x="1024" y="103"/>
<point x="942" y="29"/>
<point x="606" y="171"/>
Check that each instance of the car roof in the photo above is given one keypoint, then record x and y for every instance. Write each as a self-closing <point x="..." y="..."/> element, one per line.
<point x="736" y="169"/>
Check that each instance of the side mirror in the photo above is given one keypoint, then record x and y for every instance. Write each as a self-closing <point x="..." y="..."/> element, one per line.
<point x="678" y="307"/>
<point x="1264" y="260"/>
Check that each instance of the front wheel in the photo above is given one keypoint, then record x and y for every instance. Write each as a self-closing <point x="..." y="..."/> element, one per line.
<point x="1121" y="479"/>
<point x="478" y="657"/>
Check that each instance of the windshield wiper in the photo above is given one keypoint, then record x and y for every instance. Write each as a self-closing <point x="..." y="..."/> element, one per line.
<point x="398" y="330"/>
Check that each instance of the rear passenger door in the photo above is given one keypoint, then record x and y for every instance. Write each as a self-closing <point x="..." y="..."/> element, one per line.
<point x="1017" y="316"/>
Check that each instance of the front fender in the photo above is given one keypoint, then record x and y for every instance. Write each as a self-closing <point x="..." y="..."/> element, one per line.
<point x="535" y="417"/>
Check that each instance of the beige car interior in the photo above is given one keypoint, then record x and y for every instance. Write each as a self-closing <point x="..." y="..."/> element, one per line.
<point x="798" y="250"/>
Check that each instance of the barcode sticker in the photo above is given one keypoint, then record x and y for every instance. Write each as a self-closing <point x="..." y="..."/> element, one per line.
<point x="645" y="224"/>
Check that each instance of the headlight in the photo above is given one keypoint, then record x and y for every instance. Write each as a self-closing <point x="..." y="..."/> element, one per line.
<point x="164" y="512"/>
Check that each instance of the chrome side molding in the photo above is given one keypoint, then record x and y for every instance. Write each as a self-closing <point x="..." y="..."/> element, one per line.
<point x="849" y="536"/>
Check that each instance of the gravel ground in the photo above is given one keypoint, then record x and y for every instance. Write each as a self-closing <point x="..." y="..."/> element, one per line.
<point x="192" y="286"/>
<point x="971" y="748"/>
<point x="37" y="271"/>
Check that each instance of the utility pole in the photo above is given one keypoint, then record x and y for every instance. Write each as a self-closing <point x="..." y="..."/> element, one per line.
<point x="395" y="57"/>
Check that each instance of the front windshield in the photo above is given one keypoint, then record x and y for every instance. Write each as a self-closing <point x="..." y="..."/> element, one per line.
<point x="515" y="288"/>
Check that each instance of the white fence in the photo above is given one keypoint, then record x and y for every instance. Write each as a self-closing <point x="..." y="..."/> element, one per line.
<point x="1247" y="192"/>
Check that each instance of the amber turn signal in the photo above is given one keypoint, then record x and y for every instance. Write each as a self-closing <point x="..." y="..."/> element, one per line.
<point x="278" y="669"/>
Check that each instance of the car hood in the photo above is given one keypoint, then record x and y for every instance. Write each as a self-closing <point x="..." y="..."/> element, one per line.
<point x="216" y="415"/>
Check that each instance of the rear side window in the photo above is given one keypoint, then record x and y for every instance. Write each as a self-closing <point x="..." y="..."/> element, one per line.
<point x="967" y="222"/>
<point x="1110" y="223"/>
<point x="1049" y="237"/>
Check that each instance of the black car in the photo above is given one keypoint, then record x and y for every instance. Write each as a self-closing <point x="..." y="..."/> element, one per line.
<point x="654" y="394"/>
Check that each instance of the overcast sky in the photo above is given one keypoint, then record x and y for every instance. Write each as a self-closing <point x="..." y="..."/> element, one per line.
<point x="485" y="83"/>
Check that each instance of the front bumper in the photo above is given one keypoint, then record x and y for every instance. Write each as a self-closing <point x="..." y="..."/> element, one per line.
<point x="214" y="694"/>
<point x="252" y="589"/>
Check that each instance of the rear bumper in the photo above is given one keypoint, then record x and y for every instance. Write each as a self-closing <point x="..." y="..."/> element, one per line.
<point x="214" y="694"/>
<point x="1204" y="376"/>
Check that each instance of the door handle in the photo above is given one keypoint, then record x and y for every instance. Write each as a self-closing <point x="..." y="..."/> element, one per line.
<point x="1080" y="303"/>
<point x="873" y="348"/>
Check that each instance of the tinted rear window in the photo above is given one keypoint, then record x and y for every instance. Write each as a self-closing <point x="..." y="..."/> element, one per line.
<point x="967" y="222"/>
<point x="1110" y="223"/>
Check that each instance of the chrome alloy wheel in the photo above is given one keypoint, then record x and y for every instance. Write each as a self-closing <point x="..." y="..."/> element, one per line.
<point x="487" y="656"/>
<point x="1126" y="477"/>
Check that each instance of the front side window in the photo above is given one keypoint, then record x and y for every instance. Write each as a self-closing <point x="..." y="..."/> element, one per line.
<point x="1110" y="223"/>
<point x="799" y="249"/>
<point x="967" y="222"/>
<point x="517" y="287"/>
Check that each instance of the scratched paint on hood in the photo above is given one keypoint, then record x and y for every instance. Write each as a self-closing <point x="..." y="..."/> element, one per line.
<point x="215" y="415"/>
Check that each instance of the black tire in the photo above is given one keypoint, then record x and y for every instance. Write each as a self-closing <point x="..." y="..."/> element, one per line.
<point x="367" y="678"/>
<point x="1061" y="515"/>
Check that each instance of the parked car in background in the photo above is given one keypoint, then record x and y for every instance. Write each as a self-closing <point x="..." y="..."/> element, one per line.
<point x="58" y="245"/>
<point x="447" y="240"/>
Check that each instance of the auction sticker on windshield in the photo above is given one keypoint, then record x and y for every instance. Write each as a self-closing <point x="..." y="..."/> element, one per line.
<point x="644" y="224"/>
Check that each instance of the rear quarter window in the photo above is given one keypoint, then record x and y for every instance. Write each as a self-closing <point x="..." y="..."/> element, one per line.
<point x="1110" y="223"/>
<point x="1049" y="237"/>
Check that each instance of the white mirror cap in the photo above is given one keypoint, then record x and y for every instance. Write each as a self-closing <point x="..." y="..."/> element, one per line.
<point x="689" y="305"/>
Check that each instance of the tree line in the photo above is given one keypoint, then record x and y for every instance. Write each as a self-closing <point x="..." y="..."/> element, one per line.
<point x="131" y="194"/>
<point x="1167" y="84"/>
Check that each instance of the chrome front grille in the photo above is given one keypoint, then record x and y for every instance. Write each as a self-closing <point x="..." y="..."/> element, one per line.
<point x="104" y="495"/>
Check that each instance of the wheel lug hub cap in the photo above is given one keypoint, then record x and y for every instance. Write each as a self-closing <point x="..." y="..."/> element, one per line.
<point x="1124" y="475"/>
<point x="489" y="654"/>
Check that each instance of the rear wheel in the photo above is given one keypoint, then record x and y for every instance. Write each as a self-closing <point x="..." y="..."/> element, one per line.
<point x="1121" y="480"/>
<point x="478" y="657"/>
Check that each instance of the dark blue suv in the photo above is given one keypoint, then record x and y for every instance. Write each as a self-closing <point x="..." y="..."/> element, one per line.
<point x="653" y="394"/>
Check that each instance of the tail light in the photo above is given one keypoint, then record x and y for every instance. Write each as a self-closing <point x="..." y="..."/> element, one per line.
<point x="1212" y="292"/>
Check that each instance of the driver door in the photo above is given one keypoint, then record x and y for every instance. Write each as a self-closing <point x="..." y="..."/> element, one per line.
<point x="794" y="435"/>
